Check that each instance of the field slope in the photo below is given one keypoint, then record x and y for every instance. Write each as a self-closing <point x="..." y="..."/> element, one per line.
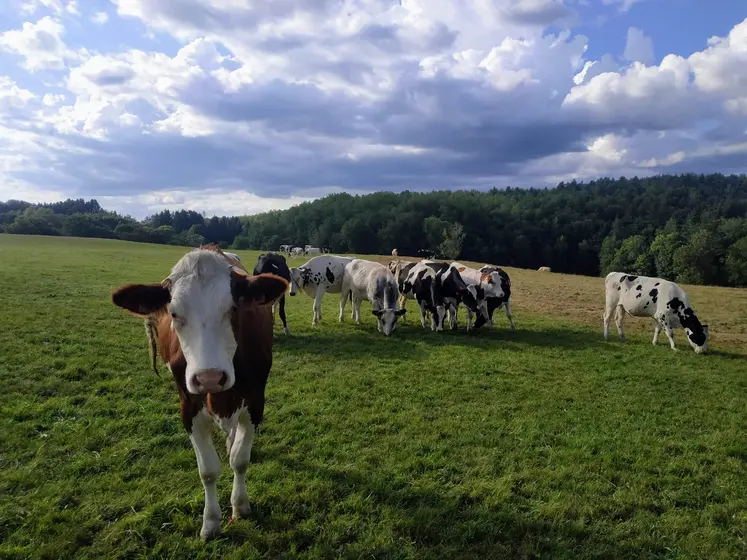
<point x="548" y="442"/>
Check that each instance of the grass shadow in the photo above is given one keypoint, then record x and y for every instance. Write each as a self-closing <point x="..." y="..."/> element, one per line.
<point x="438" y="524"/>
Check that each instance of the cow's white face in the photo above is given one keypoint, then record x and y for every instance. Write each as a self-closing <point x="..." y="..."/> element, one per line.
<point x="493" y="285"/>
<point x="201" y="310"/>
<point x="201" y="295"/>
<point x="387" y="319"/>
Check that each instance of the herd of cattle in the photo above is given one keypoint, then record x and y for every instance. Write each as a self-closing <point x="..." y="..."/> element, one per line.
<point x="211" y="321"/>
<point x="438" y="288"/>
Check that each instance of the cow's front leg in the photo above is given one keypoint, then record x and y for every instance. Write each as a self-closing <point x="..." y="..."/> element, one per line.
<point x="239" y="457"/>
<point x="343" y="301"/>
<point x="357" y="310"/>
<point x="318" y="306"/>
<point x="469" y="319"/>
<point x="208" y="464"/>
<point x="452" y="316"/>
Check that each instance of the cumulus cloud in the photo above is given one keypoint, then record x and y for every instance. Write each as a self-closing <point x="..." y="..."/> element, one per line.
<point x="100" y="18"/>
<point x="639" y="47"/>
<point x="264" y="104"/>
<point x="40" y="45"/>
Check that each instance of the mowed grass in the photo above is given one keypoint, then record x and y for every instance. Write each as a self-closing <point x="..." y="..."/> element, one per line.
<point x="544" y="443"/>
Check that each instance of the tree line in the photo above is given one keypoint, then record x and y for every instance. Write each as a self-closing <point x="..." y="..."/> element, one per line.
<point x="690" y="228"/>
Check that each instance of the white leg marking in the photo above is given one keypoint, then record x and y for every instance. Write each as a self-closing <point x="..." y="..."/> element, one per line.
<point x="657" y="330"/>
<point x="239" y="456"/>
<point x="208" y="464"/>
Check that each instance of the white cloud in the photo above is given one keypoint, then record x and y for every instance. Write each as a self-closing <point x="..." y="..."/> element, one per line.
<point x="623" y="5"/>
<point x="57" y="7"/>
<point x="212" y="202"/>
<point x="639" y="47"/>
<point x="100" y="18"/>
<point x="40" y="44"/>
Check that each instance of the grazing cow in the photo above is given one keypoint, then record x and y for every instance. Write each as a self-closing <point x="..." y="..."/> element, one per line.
<point x="296" y="252"/>
<point x="455" y="291"/>
<point x="326" y="249"/>
<point x="488" y="284"/>
<point x="400" y="270"/>
<point x="285" y="249"/>
<point x="544" y="269"/>
<point x="662" y="300"/>
<point x="274" y="263"/>
<point x="374" y="282"/>
<point x="318" y="276"/>
<point x="443" y="290"/>
<point x="426" y="254"/>
<point x="309" y="250"/>
<point x="502" y="283"/>
<point x="395" y="253"/>
<point x="425" y="285"/>
<point x="213" y="326"/>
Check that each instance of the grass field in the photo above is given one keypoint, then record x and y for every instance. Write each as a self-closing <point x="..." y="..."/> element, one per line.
<point x="544" y="443"/>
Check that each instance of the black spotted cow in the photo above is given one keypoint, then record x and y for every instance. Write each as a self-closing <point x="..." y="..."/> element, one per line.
<point x="400" y="270"/>
<point x="501" y="283"/>
<point x="662" y="300"/>
<point x="438" y="287"/>
<point x="318" y="276"/>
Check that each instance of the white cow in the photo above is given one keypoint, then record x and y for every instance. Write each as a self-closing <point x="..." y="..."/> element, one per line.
<point x="309" y="250"/>
<point x="285" y="249"/>
<point x="318" y="276"/>
<point x="662" y="300"/>
<point x="374" y="282"/>
<point x="296" y="252"/>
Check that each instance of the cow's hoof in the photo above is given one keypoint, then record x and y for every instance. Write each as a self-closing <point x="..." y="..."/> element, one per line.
<point x="241" y="511"/>
<point x="210" y="530"/>
<point x="287" y="331"/>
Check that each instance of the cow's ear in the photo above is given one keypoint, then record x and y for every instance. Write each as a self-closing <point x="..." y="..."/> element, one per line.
<point x="142" y="299"/>
<point x="263" y="289"/>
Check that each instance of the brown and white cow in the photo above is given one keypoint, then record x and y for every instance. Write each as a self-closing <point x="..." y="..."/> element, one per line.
<point x="213" y="326"/>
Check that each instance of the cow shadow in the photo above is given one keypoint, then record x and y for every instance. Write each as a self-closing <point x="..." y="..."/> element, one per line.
<point x="413" y="342"/>
<point x="436" y="524"/>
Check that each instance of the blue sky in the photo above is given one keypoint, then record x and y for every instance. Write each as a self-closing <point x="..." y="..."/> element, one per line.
<point x="241" y="106"/>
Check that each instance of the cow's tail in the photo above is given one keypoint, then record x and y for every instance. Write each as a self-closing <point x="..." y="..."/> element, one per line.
<point x="151" y="331"/>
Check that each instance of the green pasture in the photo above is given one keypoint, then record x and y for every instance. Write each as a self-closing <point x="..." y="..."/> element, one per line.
<point x="544" y="443"/>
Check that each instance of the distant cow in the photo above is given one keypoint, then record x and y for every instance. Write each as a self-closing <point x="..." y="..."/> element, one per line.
<point x="285" y="249"/>
<point x="213" y="327"/>
<point x="374" y="282"/>
<point x="274" y="263"/>
<point x="662" y="300"/>
<point x="502" y="283"/>
<point x="326" y="249"/>
<point x="309" y="250"/>
<point x="395" y="253"/>
<point x="318" y="276"/>
<point x="544" y="269"/>
<point x="296" y="252"/>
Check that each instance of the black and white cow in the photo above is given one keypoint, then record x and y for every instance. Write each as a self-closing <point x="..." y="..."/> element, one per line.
<point x="375" y="282"/>
<point x="501" y="284"/>
<point x="662" y="300"/>
<point x="318" y="276"/>
<point x="456" y="291"/>
<point x="274" y="263"/>
<point x="439" y="287"/>
<point x="400" y="270"/>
